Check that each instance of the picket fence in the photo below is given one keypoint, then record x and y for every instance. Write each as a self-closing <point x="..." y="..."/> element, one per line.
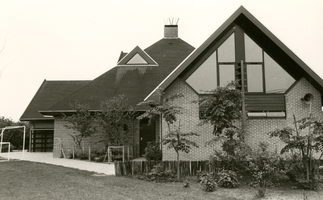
<point x="187" y="168"/>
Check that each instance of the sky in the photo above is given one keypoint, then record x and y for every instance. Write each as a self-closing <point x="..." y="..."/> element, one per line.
<point x="82" y="39"/>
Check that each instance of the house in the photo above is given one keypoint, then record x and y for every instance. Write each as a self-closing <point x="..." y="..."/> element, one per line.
<point x="277" y="85"/>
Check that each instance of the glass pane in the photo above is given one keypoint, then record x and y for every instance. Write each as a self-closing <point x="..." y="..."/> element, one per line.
<point x="226" y="74"/>
<point x="226" y="52"/>
<point x="204" y="78"/>
<point x="137" y="59"/>
<point x="254" y="78"/>
<point x="277" y="79"/>
<point x="253" y="51"/>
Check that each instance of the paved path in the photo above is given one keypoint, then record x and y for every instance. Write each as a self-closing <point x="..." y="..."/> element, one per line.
<point x="103" y="168"/>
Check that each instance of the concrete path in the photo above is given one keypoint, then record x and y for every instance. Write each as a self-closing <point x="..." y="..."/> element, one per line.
<point x="102" y="168"/>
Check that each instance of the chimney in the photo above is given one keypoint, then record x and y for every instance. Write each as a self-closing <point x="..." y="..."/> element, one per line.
<point x="171" y="31"/>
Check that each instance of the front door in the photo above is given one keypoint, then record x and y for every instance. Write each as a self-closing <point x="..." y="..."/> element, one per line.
<point x="147" y="134"/>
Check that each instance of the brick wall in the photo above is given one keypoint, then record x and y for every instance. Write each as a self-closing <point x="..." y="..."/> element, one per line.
<point x="256" y="129"/>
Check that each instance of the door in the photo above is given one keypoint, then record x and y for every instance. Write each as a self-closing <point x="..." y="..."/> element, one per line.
<point x="42" y="140"/>
<point x="147" y="134"/>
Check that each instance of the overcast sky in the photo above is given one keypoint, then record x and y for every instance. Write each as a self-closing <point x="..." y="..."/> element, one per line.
<point x="80" y="40"/>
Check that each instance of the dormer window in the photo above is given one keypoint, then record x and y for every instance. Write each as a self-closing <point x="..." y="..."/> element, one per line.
<point x="137" y="57"/>
<point x="137" y="60"/>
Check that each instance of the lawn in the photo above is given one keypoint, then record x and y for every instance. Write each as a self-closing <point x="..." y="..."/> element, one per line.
<point x="29" y="180"/>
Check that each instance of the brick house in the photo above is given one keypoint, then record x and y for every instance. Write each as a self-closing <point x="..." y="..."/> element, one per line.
<point x="275" y="82"/>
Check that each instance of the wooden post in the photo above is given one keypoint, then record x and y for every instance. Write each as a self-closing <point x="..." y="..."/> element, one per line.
<point x="243" y="98"/>
<point x="122" y="153"/>
<point x="73" y="153"/>
<point x="89" y="153"/>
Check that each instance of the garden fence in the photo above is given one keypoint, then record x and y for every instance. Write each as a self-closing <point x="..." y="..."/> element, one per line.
<point x="187" y="168"/>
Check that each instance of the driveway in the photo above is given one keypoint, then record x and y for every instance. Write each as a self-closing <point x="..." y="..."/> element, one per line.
<point x="102" y="168"/>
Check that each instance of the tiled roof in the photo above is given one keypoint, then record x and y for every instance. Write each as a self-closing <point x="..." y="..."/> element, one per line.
<point x="49" y="93"/>
<point x="135" y="82"/>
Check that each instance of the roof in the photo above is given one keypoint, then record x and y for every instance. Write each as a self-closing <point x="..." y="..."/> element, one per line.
<point x="49" y="93"/>
<point x="268" y="41"/>
<point x="133" y="81"/>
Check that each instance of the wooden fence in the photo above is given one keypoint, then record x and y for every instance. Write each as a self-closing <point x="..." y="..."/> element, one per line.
<point x="187" y="168"/>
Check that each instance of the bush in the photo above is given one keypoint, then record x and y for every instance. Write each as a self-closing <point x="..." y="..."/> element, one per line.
<point x="263" y="166"/>
<point x="236" y="161"/>
<point x="5" y="148"/>
<point x="228" y="179"/>
<point x="153" y="152"/>
<point x="158" y="174"/>
<point x="208" y="182"/>
<point x="98" y="156"/>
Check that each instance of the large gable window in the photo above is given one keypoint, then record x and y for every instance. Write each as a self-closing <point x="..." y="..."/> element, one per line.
<point x="262" y="73"/>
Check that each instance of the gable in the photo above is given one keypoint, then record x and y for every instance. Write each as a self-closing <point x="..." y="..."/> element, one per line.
<point x="137" y="57"/>
<point x="243" y="21"/>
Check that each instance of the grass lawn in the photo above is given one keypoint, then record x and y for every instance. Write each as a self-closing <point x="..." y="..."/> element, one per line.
<point x="29" y="180"/>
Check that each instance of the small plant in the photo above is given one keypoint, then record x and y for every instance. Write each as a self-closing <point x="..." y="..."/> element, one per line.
<point x="152" y="151"/>
<point x="208" y="183"/>
<point x="228" y="179"/>
<point x="261" y="192"/>
<point x="158" y="174"/>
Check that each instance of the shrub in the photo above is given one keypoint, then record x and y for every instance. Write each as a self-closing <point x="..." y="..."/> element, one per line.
<point x="208" y="183"/>
<point x="5" y="148"/>
<point x="202" y="174"/>
<point x="263" y="166"/>
<point x="152" y="151"/>
<point x="98" y="156"/>
<point x="158" y="174"/>
<point x="237" y="161"/>
<point x="228" y="179"/>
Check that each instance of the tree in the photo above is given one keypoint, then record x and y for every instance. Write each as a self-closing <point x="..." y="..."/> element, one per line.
<point x="175" y="138"/>
<point x="115" y="119"/>
<point x="307" y="138"/>
<point x="81" y="121"/>
<point x="14" y="136"/>
<point x="223" y="108"/>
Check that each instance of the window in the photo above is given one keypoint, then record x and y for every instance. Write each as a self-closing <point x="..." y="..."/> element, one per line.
<point x="277" y="79"/>
<point x="263" y="71"/>
<point x="217" y="70"/>
<point x="205" y="77"/>
<point x="226" y="74"/>
<point x="137" y="59"/>
<point x="252" y="50"/>
<point x="226" y="51"/>
<point x="255" y="78"/>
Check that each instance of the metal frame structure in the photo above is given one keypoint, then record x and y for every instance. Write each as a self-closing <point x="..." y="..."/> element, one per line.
<point x="24" y="138"/>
